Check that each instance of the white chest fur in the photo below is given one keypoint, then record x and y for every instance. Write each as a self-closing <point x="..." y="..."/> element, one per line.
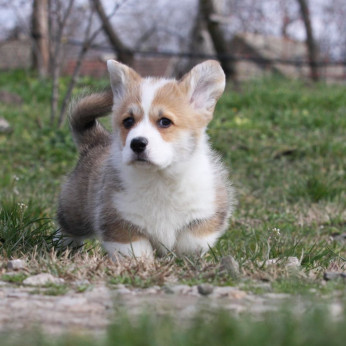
<point x="162" y="204"/>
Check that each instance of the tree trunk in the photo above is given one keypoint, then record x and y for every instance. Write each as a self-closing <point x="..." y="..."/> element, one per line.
<point x="221" y="45"/>
<point x="310" y="42"/>
<point x="125" y="55"/>
<point x="40" y="35"/>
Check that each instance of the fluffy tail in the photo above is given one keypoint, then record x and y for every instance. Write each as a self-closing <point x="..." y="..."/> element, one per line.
<point x="86" y="130"/>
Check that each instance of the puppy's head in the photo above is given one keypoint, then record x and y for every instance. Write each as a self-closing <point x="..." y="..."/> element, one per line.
<point x="158" y="122"/>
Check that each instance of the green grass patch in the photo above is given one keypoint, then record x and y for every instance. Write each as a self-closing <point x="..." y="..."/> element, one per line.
<point x="51" y="290"/>
<point x="283" y="141"/>
<point x="16" y="278"/>
<point x="305" y="286"/>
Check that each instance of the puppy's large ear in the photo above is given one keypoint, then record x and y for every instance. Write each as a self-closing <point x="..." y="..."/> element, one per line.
<point x="204" y="85"/>
<point x="122" y="78"/>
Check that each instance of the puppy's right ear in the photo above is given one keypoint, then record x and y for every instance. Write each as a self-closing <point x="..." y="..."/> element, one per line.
<point x="121" y="77"/>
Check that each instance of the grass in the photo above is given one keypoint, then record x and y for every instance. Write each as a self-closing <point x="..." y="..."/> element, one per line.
<point x="51" y="290"/>
<point x="284" y="142"/>
<point x="16" y="278"/>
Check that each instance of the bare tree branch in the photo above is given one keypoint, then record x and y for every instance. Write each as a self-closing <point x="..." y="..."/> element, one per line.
<point x="310" y="41"/>
<point x="87" y="42"/>
<point x="57" y="56"/>
<point x="82" y="52"/>
<point x="221" y="45"/>
<point x="125" y="54"/>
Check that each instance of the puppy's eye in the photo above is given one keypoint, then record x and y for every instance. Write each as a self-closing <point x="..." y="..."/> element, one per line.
<point x="128" y="122"/>
<point x="164" y="123"/>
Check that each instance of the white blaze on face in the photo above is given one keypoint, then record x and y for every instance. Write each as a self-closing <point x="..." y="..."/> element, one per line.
<point x="158" y="151"/>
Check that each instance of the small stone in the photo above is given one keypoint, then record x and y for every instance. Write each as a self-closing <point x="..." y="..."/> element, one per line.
<point x="334" y="276"/>
<point x="230" y="265"/>
<point x="42" y="279"/>
<point x="289" y="262"/>
<point x="339" y="237"/>
<point x="5" y="127"/>
<point x="178" y="289"/>
<point x="205" y="289"/>
<point x="292" y="262"/>
<point x="15" y="264"/>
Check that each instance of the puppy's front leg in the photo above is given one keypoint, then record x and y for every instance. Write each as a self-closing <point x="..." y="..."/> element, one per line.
<point x="140" y="248"/>
<point x="126" y="242"/>
<point x="120" y="237"/>
<point x="201" y="235"/>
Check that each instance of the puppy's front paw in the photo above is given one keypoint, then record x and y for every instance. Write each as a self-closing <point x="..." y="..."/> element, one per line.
<point x="189" y="243"/>
<point x="139" y="249"/>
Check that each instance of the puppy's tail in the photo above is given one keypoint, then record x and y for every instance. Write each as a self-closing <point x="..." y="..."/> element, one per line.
<point x="86" y="130"/>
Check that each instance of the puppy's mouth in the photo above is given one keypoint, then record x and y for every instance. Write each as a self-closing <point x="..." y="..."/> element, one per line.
<point x="141" y="159"/>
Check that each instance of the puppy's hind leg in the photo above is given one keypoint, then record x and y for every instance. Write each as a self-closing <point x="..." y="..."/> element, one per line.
<point x="63" y="240"/>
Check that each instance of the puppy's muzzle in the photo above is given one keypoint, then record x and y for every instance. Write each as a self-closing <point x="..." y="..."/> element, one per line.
<point x="139" y="144"/>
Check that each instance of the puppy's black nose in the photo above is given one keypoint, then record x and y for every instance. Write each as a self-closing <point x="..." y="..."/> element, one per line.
<point x="139" y="144"/>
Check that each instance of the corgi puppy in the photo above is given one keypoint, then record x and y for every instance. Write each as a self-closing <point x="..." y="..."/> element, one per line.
<point x="153" y="184"/>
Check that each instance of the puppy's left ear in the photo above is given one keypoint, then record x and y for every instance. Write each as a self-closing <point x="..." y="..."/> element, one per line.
<point x="121" y="78"/>
<point x="204" y="85"/>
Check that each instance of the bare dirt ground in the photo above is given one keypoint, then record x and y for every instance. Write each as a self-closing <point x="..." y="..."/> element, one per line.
<point x="23" y="307"/>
